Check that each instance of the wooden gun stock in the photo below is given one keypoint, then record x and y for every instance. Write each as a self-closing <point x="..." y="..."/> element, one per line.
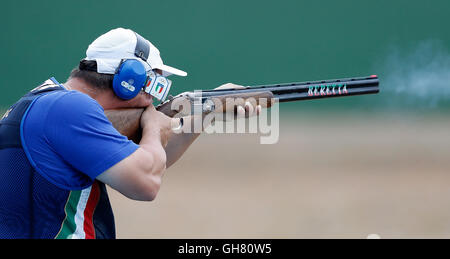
<point x="127" y="122"/>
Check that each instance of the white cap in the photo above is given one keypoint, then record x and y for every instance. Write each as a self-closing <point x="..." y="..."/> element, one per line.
<point x="117" y="44"/>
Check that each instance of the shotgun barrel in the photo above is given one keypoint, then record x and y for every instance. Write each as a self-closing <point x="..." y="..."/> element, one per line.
<point x="215" y="100"/>
<point x="308" y="90"/>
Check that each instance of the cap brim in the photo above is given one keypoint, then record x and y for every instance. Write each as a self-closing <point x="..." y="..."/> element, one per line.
<point x="168" y="70"/>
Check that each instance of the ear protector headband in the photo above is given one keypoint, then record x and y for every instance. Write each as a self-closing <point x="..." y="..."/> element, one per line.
<point x="131" y="76"/>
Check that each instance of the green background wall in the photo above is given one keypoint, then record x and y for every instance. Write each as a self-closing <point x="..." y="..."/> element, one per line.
<point x="245" y="42"/>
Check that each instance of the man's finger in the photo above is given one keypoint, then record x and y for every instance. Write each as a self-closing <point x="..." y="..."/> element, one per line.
<point x="240" y="112"/>
<point x="249" y="109"/>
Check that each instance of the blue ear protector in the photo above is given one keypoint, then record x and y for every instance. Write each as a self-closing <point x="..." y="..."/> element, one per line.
<point x="129" y="79"/>
<point x="131" y="76"/>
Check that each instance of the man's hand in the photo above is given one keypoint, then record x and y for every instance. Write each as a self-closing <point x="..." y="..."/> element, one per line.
<point x="249" y="109"/>
<point x="179" y="143"/>
<point x="157" y="125"/>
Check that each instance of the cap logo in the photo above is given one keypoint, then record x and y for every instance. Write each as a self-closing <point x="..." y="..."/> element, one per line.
<point x="141" y="55"/>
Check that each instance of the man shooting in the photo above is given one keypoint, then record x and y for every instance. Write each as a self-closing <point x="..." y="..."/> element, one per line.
<point x="58" y="149"/>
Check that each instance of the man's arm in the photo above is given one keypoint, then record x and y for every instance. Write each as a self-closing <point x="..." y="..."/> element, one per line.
<point x="126" y="121"/>
<point x="180" y="142"/>
<point x="139" y="175"/>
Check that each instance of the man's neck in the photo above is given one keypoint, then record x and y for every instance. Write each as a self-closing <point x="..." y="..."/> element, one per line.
<point x="103" y="97"/>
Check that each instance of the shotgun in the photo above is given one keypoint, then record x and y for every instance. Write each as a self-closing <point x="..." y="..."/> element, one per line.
<point x="206" y="101"/>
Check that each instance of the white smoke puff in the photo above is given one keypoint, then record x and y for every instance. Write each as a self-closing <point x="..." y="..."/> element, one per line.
<point x="419" y="77"/>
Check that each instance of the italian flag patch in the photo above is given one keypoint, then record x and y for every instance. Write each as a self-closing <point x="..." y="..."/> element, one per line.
<point x="159" y="88"/>
<point x="79" y="209"/>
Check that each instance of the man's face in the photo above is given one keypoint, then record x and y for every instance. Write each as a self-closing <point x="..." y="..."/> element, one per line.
<point x="142" y="100"/>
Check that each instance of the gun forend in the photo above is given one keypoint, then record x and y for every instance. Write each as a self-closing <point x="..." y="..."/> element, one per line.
<point x="189" y="103"/>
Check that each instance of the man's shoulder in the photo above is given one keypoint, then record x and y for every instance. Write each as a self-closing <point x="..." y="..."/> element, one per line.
<point x="66" y="97"/>
<point x="61" y="110"/>
<point x="67" y="102"/>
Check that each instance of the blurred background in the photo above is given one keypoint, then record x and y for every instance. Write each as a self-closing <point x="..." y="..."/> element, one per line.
<point x="343" y="168"/>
